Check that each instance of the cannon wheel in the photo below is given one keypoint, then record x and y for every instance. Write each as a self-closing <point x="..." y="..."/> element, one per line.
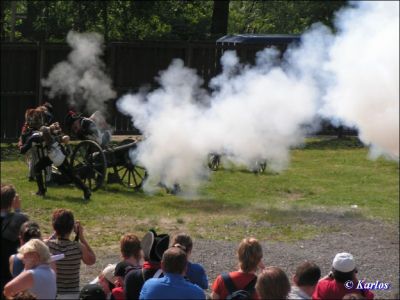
<point x="130" y="175"/>
<point x="261" y="166"/>
<point x="214" y="161"/>
<point x="89" y="163"/>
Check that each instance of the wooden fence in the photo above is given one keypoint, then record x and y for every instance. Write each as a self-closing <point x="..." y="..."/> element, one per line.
<point x="130" y="65"/>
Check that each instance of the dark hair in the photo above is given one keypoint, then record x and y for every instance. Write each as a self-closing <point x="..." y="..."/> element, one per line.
<point x="7" y="195"/>
<point x="174" y="260"/>
<point x="111" y="285"/>
<point x="183" y="240"/>
<point x="130" y="246"/>
<point x="273" y="283"/>
<point x="355" y="296"/>
<point x="307" y="274"/>
<point x="342" y="277"/>
<point x="63" y="221"/>
<point x="121" y="268"/>
<point x="29" y="230"/>
<point x="92" y="292"/>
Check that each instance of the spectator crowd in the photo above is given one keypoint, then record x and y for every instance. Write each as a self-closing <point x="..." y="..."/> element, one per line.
<point x="156" y="266"/>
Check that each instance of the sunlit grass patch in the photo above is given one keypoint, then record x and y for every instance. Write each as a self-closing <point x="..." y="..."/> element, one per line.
<point x="326" y="179"/>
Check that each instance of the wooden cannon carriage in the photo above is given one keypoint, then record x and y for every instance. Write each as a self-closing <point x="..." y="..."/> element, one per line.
<point x="97" y="166"/>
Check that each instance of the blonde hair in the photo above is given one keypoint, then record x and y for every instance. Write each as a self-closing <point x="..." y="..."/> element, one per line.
<point x="249" y="254"/>
<point x="37" y="246"/>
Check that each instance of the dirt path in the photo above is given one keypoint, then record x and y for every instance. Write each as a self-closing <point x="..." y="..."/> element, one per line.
<point x="375" y="246"/>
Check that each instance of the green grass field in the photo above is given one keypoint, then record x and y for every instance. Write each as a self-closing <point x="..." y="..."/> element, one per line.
<point x="325" y="177"/>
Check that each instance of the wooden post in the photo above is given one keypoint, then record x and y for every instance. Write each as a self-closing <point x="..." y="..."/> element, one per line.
<point x="105" y="20"/>
<point x="189" y="55"/>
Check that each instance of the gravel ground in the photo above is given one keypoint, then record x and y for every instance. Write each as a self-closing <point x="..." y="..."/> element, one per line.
<point x="375" y="246"/>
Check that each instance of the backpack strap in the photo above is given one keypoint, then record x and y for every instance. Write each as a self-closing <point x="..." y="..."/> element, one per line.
<point x="144" y="279"/>
<point x="230" y="286"/>
<point x="158" y="273"/>
<point x="251" y="285"/>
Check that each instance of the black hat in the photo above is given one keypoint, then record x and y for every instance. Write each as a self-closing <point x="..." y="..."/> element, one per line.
<point x="121" y="268"/>
<point x="92" y="292"/>
<point x="154" y="245"/>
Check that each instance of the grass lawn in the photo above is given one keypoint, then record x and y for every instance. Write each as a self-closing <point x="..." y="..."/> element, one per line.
<point x="326" y="176"/>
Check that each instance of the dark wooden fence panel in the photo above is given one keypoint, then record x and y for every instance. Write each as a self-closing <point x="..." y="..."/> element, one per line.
<point x="130" y="65"/>
<point x="53" y="54"/>
<point x="136" y="65"/>
<point x="19" y="71"/>
<point x="13" y="109"/>
<point x="204" y="60"/>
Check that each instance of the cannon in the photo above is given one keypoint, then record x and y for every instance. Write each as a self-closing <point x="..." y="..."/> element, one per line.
<point x="214" y="163"/>
<point x="92" y="163"/>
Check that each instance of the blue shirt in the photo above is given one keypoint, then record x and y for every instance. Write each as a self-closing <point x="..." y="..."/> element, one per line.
<point x="197" y="275"/>
<point x="171" y="286"/>
<point x="44" y="282"/>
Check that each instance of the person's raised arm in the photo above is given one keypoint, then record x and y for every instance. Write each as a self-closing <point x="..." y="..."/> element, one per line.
<point x="88" y="256"/>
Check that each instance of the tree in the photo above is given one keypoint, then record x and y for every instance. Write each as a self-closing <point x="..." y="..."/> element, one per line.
<point x="219" y="23"/>
<point x="280" y="17"/>
<point x="121" y="20"/>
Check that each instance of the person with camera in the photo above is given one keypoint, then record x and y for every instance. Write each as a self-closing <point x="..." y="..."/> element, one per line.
<point x="49" y="140"/>
<point x="74" y="252"/>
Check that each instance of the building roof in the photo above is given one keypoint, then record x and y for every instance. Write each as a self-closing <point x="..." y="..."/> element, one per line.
<point x="260" y="39"/>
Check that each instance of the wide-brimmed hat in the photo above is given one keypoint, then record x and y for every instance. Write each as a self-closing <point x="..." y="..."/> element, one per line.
<point x="344" y="262"/>
<point x="154" y="245"/>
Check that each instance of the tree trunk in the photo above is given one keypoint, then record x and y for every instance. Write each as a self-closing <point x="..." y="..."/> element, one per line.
<point x="13" y="19"/>
<point x="219" y="23"/>
<point x="79" y="22"/>
<point x="105" y="20"/>
<point x="2" y="9"/>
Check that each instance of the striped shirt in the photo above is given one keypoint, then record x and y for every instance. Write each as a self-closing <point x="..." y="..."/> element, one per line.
<point x="67" y="268"/>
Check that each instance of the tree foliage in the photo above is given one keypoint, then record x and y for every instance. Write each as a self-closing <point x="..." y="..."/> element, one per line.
<point x="121" y="20"/>
<point x="280" y="17"/>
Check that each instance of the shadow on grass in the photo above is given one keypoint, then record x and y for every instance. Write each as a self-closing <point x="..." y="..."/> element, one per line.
<point x="67" y="198"/>
<point x="333" y="143"/>
<point x="307" y="216"/>
<point x="10" y="152"/>
<point x="203" y="205"/>
<point x="275" y="224"/>
<point x="257" y="173"/>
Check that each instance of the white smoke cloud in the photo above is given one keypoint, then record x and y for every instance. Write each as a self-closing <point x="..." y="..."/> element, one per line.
<point x="259" y="112"/>
<point x="365" y="62"/>
<point x="82" y="77"/>
<point x="254" y="114"/>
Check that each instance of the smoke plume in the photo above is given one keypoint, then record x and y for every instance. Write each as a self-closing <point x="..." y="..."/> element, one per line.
<point x="254" y="114"/>
<point x="364" y="60"/>
<point x="82" y="76"/>
<point x="258" y="113"/>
